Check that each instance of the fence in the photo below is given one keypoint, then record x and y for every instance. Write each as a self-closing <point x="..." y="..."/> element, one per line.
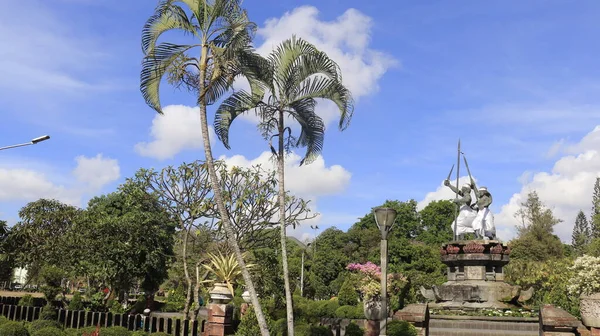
<point x="81" y="319"/>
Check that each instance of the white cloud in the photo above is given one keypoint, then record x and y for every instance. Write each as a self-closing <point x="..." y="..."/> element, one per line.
<point x="566" y="189"/>
<point x="96" y="171"/>
<point x="22" y="184"/>
<point x="176" y="130"/>
<point x="345" y="39"/>
<point x="308" y="181"/>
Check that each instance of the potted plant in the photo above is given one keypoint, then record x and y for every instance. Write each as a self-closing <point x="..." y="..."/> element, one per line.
<point x="369" y="285"/>
<point x="585" y="283"/>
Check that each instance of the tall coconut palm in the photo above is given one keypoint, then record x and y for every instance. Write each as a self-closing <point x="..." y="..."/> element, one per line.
<point x="287" y="84"/>
<point x="219" y="52"/>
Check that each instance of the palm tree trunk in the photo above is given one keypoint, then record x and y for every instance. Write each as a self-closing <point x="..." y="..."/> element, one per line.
<point x="188" y="280"/>
<point x="286" y="275"/>
<point x="212" y="174"/>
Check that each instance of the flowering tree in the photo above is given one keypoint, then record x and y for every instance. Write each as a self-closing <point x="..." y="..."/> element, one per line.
<point x="586" y="279"/>
<point x="369" y="280"/>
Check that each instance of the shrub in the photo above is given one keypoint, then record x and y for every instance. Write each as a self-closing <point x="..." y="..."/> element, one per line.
<point x="302" y="329"/>
<point x="3" y="319"/>
<point x="401" y="328"/>
<point x="346" y="312"/>
<point x="175" y="300"/>
<point x="320" y="331"/>
<point x="280" y="327"/>
<point x="49" y="331"/>
<point x="115" y="331"/>
<point x="139" y="333"/>
<point x="249" y="325"/>
<point x="159" y="334"/>
<point x="26" y="300"/>
<point x="13" y="329"/>
<point x="52" y="276"/>
<point x="42" y="324"/>
<point x="347" y="295"/>
<point x="48" y="313"/>
<point x="81" y="332"/>
<point x="76" y="302"/>
<point x="353" y="329"/>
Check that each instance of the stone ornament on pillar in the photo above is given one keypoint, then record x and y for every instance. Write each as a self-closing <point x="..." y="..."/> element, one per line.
<point x="219" y="312"/>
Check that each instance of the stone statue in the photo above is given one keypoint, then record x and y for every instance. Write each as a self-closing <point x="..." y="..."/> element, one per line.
<point x="466" y="214"/>
<point x="483" y="224"/>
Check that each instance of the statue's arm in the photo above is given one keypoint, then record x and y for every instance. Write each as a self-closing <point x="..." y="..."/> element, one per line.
<point x="456" y="191"/>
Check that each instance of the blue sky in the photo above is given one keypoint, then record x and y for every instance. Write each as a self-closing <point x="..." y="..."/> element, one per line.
<point x="518" y="84"/>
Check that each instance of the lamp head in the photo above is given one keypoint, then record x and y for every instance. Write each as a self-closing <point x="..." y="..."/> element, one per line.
<point x="40" y="139"/>
<point x="384" y="217"/>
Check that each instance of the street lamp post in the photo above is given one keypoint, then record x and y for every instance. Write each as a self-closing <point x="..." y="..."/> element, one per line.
<point x="384" y="217"/>
<point x="315" y="227"/>
<point x="32" y="142"/>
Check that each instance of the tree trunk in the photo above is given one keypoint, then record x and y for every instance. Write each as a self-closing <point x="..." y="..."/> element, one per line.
<point x="286" y="275"/>
<point x="188" y="297"/>
<point x="260" y="317"/>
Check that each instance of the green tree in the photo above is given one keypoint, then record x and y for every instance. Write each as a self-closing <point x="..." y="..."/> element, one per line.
<point x="127" y="236"/>
<point x="39" y="238"/>
<point x="535" y="240"/>
<point x="6" y="259"/>
<point x="295" y="75"/>
<point x="595" y="220"/>
<point x="348" y="295"/>
<point x="223" y="33"/>
<point x="581" y="233"/>
<point x="437" y="218"/>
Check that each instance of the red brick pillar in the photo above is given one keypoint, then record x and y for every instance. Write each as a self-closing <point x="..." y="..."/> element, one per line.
<point x="594" y="331"/>
<point x="219" y="320"/>
<point x="372" y="328"/>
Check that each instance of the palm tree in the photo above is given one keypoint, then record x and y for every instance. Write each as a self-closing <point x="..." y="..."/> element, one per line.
<point x="293" y="76"/>
<point x="207" y="67"/>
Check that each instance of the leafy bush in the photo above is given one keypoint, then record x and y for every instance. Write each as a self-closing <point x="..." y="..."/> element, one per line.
<point x="302" y="329"/>
<point x="175" y="300"/>
<point x="586" y="277"/>
<point x="401" y="328"/>
<point x="49" y="331"/>
<point x="249" y="325"/>
<point x="279" y="327"/>
<point x="139" y="333"/>
<point x="320" y="331"/>
<point x="52" y="277"/>
<point x="87" y="331"/>
<point x="3" y="319"/>
<point x="42" y="324"/>
<point x="48" y="313"/>
<point x="26" y="300"/>
<point x="347" y="295"/>
<point x="349" y="312"/>
<point x="76" y="302"/>
<point x="115" y="307"/>
<point x="115" y="331"/>
<point x="353" y="329"/>
<point x="159" y="334"/>
<point x="12" y="328"/>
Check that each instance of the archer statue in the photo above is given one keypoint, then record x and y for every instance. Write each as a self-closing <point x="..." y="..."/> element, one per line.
<point x="472" y="217"/>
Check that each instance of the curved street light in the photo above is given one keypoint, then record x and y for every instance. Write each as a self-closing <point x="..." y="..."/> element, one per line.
<point x="32" y="142"/>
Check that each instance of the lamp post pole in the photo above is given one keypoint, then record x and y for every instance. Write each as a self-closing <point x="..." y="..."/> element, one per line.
<point x="302" y="272"/>
<point x="32" y="142"/>
<point x="384" y="217"/>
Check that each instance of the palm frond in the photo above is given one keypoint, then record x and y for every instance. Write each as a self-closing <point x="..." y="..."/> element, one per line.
<point x="154" y="66"/>
<point x="283" y="59"/>
<point x="167" y="16"/>
<point x="312" y="128"/>
<point x="237" y="104"/>
<point x="329" y="89"/>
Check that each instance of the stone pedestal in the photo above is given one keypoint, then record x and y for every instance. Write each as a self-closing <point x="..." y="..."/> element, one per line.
<point x="219" y="319"/>
<point x="475" y="277"/>
<point x="372" y="328"/>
